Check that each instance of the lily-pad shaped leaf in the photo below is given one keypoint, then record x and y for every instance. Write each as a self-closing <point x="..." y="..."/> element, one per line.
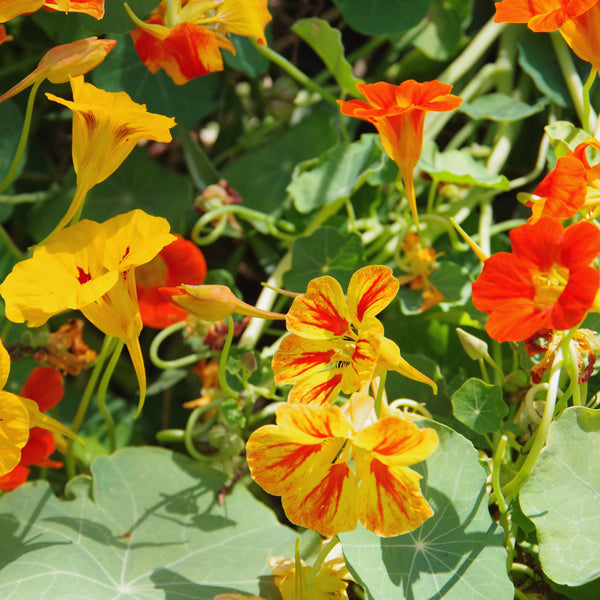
<point x="377" y="17"/>
<point x="325" y="252"/>
<point x="457" y="554"/>
<point x="562" y="498"/>
<point x="146" y="526"/>
<point x="326" y="41"/>
<point x="336" y="174"/>
<point x="500" y="107"/>
<point x="564" y="136"/>
<point x="479" y="405"/>
<point x="458" y="166"/>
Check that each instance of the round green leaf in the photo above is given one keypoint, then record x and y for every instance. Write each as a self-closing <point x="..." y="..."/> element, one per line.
<point x="562" y="498"/>
<point x="500" y="107"/>
<point x="479" y="405"/>
<point x="376" y="17"/>
<point x="147" y="526"/>
<point x="457" y="554"/>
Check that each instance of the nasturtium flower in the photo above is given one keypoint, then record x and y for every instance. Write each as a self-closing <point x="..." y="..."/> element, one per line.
<point x="213" y="302"/>
<point x="179" y="262"/>
<point x="186" y="38"/>
<point x="398" y="112"/>
<point x="546" y="282"/>
<point x="330" y="476"/>
<point x="106" y="128"/>
<point x="43" y="386"/>
<point x="64" y="61"/>
<point x="337" y="344"/>
<point x="90" y="267"/>
<point x="578" y="21"/>
<point x="9" y="9"/>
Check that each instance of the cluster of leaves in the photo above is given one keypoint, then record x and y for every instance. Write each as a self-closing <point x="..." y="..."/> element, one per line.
<point x="318" y="198"/>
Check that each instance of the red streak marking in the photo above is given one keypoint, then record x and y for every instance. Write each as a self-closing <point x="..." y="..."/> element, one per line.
<point x="82" y="276"/>
<point x="370" y="296"/>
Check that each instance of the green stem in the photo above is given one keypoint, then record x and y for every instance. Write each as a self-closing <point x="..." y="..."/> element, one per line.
<point x="224" y="357"/>
<point x="511" y="489"/>
<point x="588" y="111"/>
<point x="107" y="346"/>
<point x="380" y="390"/>
<point x="189" y="429"/>
<point x="199" y="166"/>
<point x="160" y="337"/>
<point x="294" y="72"/>
<point x="496" y="464"/>
<point x="325" y="550"/>
<point x="14" y="165"/>
<point x="101" y="395"/>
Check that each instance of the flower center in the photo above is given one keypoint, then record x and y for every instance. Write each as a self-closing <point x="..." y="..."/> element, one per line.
<point x="549" y="286"/>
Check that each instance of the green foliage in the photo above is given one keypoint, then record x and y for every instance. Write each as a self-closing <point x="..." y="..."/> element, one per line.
<point x="456" y="554"/>
<point x="500" y="107"/>
<point x="479" y="406"/>
<point x="147" y="524"/>
<point x="562" y="498"/>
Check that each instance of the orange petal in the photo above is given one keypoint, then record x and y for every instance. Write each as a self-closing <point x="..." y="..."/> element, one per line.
<point x="371" y="289"/>
<point x="94" y="8"/>
<point x="45" y="387"/>
<point x="389" y="498"/>
<point x="321" y="313"/>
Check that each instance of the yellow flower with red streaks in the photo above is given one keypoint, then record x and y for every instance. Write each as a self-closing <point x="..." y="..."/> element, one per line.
<point x="185" y="38"/>
<point x="9" y="9"/>
<point x="90" y="267"/>
<point x="546" y="282"/>
<point x="64" y="61"/>
<point x="330" y="476"/>
<point x="398" y="112"/>
<point x="17" y="416"/>
<point x="337" y="344"/>
<point x="106" y="128"/>
<point x="578" y="21"/>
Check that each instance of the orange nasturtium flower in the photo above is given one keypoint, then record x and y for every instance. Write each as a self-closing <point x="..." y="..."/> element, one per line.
<point x="578" y="21"/>
<point x="106" y="128"/>
<point x="330" y="476"/>
<point x="17" y="416"/>
<point x="44" y="386"/>
<point x="185" y="37"/>
<point x="337" y="344"/>
<point x="179" y="262"/>
<point x="90" y="267"/>
<point x="9" y="9"/>
<point x="398" y="112"/>
<point x="64" y="61"/>
<point x="546" y="282"/>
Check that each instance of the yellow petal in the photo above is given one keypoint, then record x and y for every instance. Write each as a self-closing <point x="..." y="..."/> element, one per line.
<point x="4" y="365"/>
<point x="389" y="499"/>
<point x="39" y="419"/>
<point x="14" y="431"/>
<point x="321" y="313"/>
<point x="244" y="17"/>
<point x="10" y="9"/>
<point x="317" y="389"/>
<point x="370" y="290"/>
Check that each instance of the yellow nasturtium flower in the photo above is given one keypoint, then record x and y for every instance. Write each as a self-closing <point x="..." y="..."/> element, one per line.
<point x="90" y="267"/>
<point x="17" y="416"/>
<point x="336" y="343"/>
<point x="9" y="9"/>
<point x="330" y="473"/>
<point x="106" y="128"/>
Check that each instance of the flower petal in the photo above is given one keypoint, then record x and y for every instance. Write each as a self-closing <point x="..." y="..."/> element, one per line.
<point x="370" y="290"/>
<point x="14" y="431"/>
<point x="318" y="389"/>
<point x="45" y="387"/>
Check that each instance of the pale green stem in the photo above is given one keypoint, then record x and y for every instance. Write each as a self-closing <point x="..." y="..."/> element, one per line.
<point x="14" y="165"/>
<point x="496" y="464"/>
<point x="570" y="75"/>
<point x="224" y="357"/>
<point x="484" y="373"/>
<point x="101" y="395"/>
<point x="588" y="119"/>
<point x="294" y="72"/>
<point x="380" y="390"/>
<point x="160" y="337"/>
<point x="486" y="218"/>
<point x="325" y="550"/>
<point x="511" y="489"/>
<point x="189" y="429"/>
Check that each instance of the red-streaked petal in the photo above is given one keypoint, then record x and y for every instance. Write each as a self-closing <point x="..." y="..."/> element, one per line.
<point x="389" y="498"/>
<point x="45" y="387"/>
<point x="371" y="289"/>
<point x="364" y="357"/>
<point x="297" y="358"/>
<point x="321" y="313"/>
<point x="318" y="389"/>
<point x="396" y="441"/>
<point x="326" y="504"/>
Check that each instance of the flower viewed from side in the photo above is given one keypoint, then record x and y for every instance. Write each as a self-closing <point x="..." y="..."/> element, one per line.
<point x="106" y="128"/>
<point x="9" y="9"/>
<point x="90" y="267"/>
<point x="546" y="282"/>
<point x="43" y="386"/>
<point x="64" y="61"/>
<point x="186" y="38"/>
<point x="578" y="21"/>
<point x="179" y="262"/>
<point x="330" y="476"/>
<point x="398" y="112"/>
<point x="337" y="344"/>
